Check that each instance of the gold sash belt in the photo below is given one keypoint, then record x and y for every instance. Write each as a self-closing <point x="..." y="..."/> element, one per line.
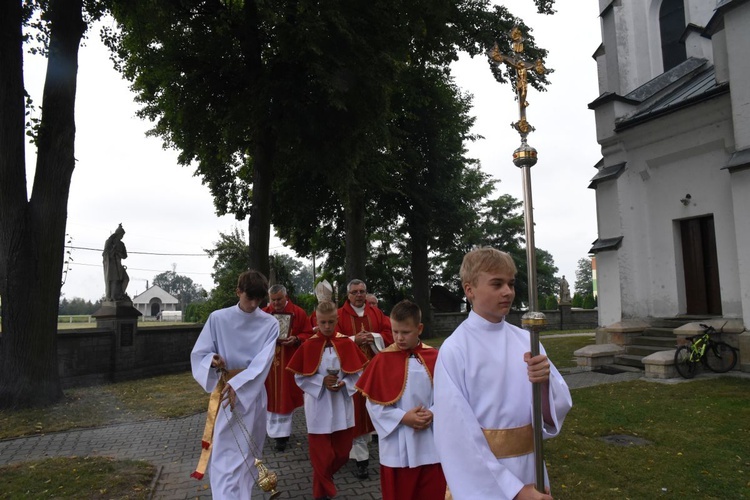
<point x="507" y="443"/>
<point x="513" y="442"/>
<point x="214" y="404"/>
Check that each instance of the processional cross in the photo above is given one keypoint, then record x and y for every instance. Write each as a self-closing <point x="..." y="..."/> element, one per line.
<point x="525" y="157"/>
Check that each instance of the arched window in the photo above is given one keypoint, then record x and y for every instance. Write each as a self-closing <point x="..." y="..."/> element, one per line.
<point x="672" y="25"/>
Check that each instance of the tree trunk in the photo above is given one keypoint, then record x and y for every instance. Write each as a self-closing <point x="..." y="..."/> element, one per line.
<point x="259" y="224"/>
<point x="356" y="240"/>
<point x="420" y="270"/>
<point x="33" y="232"/>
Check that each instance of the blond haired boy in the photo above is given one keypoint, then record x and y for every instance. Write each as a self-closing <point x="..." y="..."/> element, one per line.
<point x="483" y="397"/>
<point x="326" y="367"/>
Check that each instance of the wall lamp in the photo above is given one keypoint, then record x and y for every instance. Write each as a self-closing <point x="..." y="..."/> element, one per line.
<point x="686" y="200"/>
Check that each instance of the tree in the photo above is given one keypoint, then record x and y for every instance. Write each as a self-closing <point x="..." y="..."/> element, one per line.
<point x="231" y="253"/>
<point x="256" y="91"/>
<point x="584" y="278"/>
<point x="500" y="225"/>
<point x="179" y="286"/>
<point x="77" y="305"/>
<point x="32" y="230"/>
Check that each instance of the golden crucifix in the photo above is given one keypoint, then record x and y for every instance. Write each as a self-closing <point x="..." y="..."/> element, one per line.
<point x="522" y="67"/>
<point x="524" y="158"/>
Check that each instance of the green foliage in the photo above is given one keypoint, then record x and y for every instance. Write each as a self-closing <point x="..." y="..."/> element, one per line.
<point x="549" y="303"/>
<point x="230" y="254"/>
<point x="500" y="225"/>
<point x="588" y="302"/>
<point x="307" y="301"/>
<point x="179" y="286"/>
<point x="584" y="278"/>
<point x="231" y="260"/>
<point x="576" y="300"/>
<point x="77" y="305"/>
<point x="196" y="312"/>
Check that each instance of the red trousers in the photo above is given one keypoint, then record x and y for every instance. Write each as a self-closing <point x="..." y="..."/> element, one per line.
<point x="328" y="453"/>
<point x="425" y="482"/>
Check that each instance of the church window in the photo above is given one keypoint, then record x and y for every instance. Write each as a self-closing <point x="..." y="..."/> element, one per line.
<point x="672" y="25"/>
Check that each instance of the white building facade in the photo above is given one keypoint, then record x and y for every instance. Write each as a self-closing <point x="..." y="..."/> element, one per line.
<point x="673" y="185"/>
<point x="154" y="302"/>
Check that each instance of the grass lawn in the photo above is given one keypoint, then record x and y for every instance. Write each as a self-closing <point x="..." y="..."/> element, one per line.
<point x="78" y="477"/>
<point x="699" y="433"/>
<point x="159" y="397"/>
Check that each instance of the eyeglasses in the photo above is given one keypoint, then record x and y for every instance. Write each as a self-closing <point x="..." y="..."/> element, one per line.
<point x="357" y="292"/>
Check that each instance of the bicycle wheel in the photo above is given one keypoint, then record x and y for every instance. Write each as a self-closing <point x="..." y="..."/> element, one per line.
<point x="720" y="357"/>
<point x="685" y="367"/>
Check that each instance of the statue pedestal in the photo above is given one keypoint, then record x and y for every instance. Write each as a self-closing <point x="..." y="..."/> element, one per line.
<point x="122" y="319"/>
<point x="566" y="318"/>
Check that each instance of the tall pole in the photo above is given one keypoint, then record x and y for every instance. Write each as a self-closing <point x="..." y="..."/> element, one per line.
<point x="525" y="157"/>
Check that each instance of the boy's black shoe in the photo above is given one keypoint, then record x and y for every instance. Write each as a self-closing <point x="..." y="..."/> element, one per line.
<point x="281" y="443"/>
<point x="362" y="472"/>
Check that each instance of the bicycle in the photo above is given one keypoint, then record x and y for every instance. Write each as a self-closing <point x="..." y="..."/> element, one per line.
<point x="718" y="356"/>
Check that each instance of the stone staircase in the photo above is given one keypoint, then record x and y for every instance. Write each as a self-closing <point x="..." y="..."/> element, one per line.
<point x="657" y="337"/>
<point x="652" y="340"/>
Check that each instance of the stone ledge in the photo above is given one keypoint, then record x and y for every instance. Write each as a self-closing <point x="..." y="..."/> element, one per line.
<point x="660" y="365"/>
<point x="627" y="326"/>
<point x="743" y="340"/>
<point x="596" y="355"/>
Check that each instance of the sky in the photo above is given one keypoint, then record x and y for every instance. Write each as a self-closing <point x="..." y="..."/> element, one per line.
<point x="123" y="176"/>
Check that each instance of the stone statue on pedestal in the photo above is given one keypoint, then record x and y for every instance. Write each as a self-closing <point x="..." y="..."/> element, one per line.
<point x="564" y="291"/>
<point x="115" y="275"/>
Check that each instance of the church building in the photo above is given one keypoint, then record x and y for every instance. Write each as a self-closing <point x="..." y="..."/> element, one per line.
<point x="673" y="185"/>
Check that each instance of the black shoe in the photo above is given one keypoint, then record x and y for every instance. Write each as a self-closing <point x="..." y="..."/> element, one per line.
<point x="362" y="471"/>
<point x="281" y="443"/>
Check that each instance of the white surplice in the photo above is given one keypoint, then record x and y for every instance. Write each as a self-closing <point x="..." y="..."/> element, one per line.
<point x="246" y="341"/>
<point x="400" y="445"/>
<point x="326" y="411"/>
<point x="481" y="382"/>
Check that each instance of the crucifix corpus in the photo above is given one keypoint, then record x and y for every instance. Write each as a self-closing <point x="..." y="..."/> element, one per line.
<point x="524" y="158"/>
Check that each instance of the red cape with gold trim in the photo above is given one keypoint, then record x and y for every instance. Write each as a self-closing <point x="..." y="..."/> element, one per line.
<point x="384" y="380"/>
<point x="307" y="358"/>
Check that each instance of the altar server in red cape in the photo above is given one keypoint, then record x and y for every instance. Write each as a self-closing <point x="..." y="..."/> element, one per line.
<point x="283" y="393"/>
<point x="398" y="386"/>
<point x="326" y="367"/>
<point x="371" y="331"/>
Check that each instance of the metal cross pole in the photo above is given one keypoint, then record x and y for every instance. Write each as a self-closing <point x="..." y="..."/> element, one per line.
<point x="525" y="157"/>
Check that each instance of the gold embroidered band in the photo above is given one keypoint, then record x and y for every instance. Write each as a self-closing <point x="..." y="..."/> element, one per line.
<point x="214" y="404"/>
<point x="513" y="442"/>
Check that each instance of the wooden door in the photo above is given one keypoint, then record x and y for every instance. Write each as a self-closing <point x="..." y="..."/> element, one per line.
<point x="701" y="266"/>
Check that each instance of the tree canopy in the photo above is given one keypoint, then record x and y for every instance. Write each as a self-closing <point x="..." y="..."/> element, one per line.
<point x="179" y="286"/>
<point x="584" y="279"/>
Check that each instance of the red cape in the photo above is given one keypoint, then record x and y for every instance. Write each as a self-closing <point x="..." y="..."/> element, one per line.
<point x="373" y="321"/>
<point x="384" y="380"/>
<point x="307" y="358"/>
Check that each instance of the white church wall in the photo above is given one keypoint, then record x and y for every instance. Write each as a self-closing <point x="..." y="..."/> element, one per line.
<point x="740" y="182"/>
<point x="737" y="27"/>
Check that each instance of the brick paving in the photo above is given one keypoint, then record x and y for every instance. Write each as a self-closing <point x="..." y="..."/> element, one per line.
<point x="174" y="446"/>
